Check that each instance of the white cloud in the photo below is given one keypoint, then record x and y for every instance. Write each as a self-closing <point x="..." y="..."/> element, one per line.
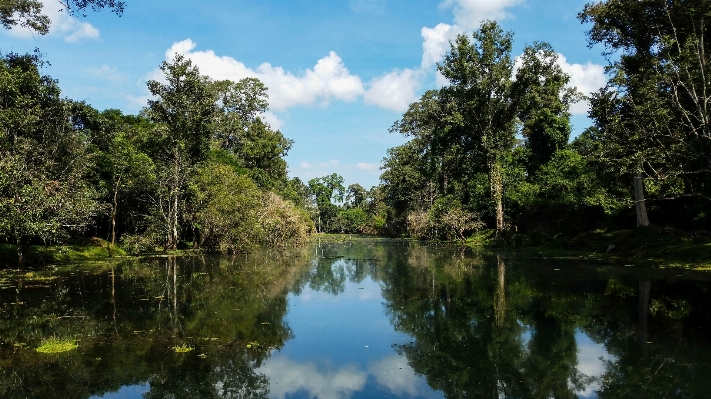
<point x="440" y="80"/>
<point x="586" y="77"/>
<point x="591" y="362"/>
<point x="62" y="24"/>
<point x="287" y="377"/>
<point x="394" y="91"/>
<point x="470" y="13"/>
<point x="325" y="381"/>
<point x="272" y="120"/>
<point x="436" y="42"/>
<point x="320" y="165"/>
<point x="108" y="73"/>
<point x="329" y="79"/>
<point x="396" y="375"/>
<point x="369" y="167"/>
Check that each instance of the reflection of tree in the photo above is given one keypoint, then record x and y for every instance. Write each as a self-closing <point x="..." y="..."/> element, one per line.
<point x="328" y="276"/>
<point x="659" y="351"/>
<point x="230" y="376"/>
<point x="459" y="346"/>
<point x="469" y="321"/>
<point x="134" y="313"/>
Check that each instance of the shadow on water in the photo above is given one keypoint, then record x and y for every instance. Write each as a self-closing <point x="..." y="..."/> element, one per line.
<point x="476" y="325"/>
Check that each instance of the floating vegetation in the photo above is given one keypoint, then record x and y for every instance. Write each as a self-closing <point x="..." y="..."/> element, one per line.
<point x="57" y="345"/>
<point x="184" y="348"/>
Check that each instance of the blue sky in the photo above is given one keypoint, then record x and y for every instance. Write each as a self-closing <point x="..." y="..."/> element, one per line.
<point x="339" y="72"/>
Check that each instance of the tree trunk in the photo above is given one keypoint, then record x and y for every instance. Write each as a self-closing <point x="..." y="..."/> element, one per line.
<point x="641" y="209"/>
<point x="113" y="218"/>
<point x="21" y="250"/>
<point x="497" y="194"/>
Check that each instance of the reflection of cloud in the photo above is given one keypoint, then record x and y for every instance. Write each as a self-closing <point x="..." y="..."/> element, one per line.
<point x="396" y="375"/>
<point x="591" y="362"/>
<point x="287" y="377"/>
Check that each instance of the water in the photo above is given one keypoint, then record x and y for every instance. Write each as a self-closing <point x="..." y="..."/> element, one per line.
<point x="365" y="318"/>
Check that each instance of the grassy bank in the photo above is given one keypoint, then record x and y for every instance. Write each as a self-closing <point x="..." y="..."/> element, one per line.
<point x="666" y="246"/>
<point x="85" y="250"/>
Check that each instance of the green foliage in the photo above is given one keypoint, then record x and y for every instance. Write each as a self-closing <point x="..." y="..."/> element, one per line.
<point x="445" y="219"/>
<point x="281" y="223"/>
<point x="227" y="207"/>
<point x="43" y="158"/>
<point x="57" y="345"/>
<point x="351" y="220"/>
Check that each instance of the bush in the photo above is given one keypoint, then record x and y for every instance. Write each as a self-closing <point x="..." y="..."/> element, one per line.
<point x="447" y="218"/>
<point x="282" y="224"/>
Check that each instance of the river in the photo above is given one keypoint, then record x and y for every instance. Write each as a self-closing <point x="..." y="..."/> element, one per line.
<point x="360" y="318"/>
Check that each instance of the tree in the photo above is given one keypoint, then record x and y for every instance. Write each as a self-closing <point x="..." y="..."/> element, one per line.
<point x="130" y="170"/>
<point x="43" y="158"/>
<point x="480" y="101"/>
<point x="323" y="191"/>
<point x="356" y="195"/>
<point x="185" y="107"/>
<point x="240" y="105"/>
<point x="546" y="99"/>
<point x="28" y="13"/>
<point x="656" y="105"/>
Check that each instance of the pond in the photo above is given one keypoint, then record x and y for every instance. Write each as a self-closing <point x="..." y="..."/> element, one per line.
<point x="362" y="318"/>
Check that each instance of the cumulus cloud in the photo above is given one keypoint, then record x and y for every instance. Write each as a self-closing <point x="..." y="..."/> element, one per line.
<point x="369" y="167"/>
<point x="320" y="383"/>
<point x="62" y="24"/>
<point x="470" y="13"/>
<point x="586" y="77"/>
<point x="394" y="91"/>
<point x="288" y="377"/>
<point x="436" y="42"/>
<point x="329" y="79"/>
<point x="272" y="120"/>
<point x="396" y="375"/>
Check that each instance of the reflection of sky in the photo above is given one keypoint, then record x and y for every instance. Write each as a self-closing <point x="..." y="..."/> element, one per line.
<point x="342" y="348"/>
<point x="126" y="392"/>
<point x="591" y="362"/>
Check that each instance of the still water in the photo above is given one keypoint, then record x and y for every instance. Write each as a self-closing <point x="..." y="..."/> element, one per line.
<point x="364" y="318"/>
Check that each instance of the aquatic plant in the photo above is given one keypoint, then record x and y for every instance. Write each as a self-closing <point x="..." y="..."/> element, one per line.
<point x="57" y="345"/>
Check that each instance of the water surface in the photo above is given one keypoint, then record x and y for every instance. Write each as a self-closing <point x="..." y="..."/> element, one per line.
<point x="364" y="318"/>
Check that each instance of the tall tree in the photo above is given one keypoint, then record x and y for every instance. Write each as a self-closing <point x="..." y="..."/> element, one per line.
<point x="657" y="103"/>
<point x="546" y="98"/>
<point x="480" y="101"/>
<point x="185" y="106"/>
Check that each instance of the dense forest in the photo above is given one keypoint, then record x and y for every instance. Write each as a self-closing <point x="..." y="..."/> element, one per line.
<point x="197" y="165"/>
<point x="491" y="151"/>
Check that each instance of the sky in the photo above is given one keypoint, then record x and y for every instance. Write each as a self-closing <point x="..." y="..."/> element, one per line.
<point x="339" y="72"/>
